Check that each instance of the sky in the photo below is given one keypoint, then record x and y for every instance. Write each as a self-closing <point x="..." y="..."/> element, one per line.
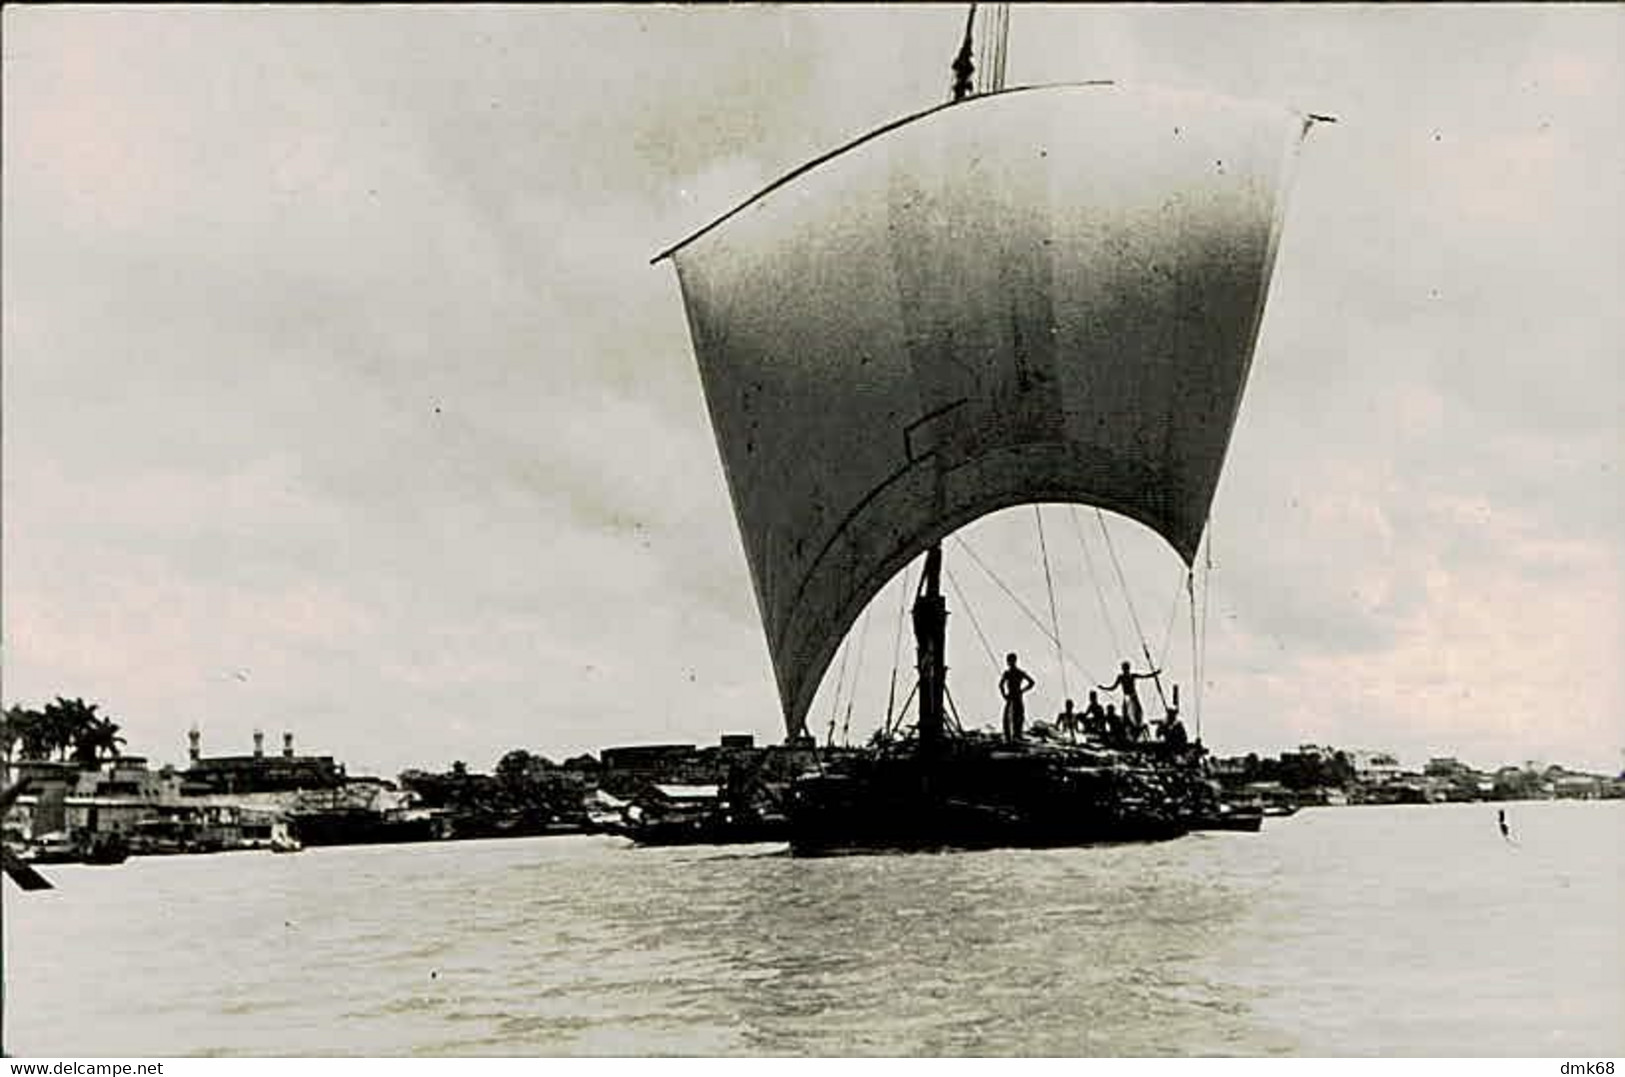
<point x="340" y="397"/>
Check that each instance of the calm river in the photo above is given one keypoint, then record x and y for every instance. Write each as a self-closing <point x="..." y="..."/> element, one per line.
<point x="1350" y="931"/>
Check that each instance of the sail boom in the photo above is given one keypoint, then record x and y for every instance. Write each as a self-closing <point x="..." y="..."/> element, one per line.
<point x="878" y="132"/>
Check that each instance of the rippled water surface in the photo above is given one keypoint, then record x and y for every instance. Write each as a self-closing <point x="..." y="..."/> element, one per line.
<point x="1351" y="931"/>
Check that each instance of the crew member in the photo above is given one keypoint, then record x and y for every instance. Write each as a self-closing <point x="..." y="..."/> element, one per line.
<point x="1133" y="713"/>
<point x="1013" y="684"/>
<point x="1094" y="718"/>
<point x="1173" y="733"/>
<point x="1069" y="721"/>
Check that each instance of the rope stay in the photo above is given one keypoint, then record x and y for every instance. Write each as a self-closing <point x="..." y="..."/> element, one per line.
<point x="953" y="710"/>
<point x="1173" y="615"/>
<point x="1025" y="609"/>
<point x="840" y="680"/>
<point x="953" y="582"/>
<point x="897" y="647"/>
<point x="1207" y="600"/>
<point x="1196" y="663"/>
<point x="1100" y="593"/>
<point x="980" y="64"/>
<point x="1004" y="46"/>
<point x="857" y="673"/>
<point x="902" y="712"/>
<point x="1128" y="598"/>
<point x="1199" y="596"/>
<point x="995" y="45"/>
<point x="1054" y="615"/>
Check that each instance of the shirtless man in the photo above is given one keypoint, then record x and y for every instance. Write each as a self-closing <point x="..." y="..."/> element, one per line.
<point x="1094" y="718"/>
<point x="1069" y="721"/>
<point x="1133" y="713"/>
<point x="1013" y="684"/>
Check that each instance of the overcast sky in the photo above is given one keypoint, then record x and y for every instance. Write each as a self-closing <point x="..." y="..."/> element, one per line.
<point x="339" y="395"/>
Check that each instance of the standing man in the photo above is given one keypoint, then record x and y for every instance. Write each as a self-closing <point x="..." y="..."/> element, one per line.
<point x="1133" y="713"/>
<point x="1013" y="684"/>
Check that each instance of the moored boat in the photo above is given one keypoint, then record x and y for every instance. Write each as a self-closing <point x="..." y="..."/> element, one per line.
<point x="283" y="841"/>
<point x="106" y="849"/>
<point x="698" y="815"/>
<point x="1230" y="817"/>
<point x="361" y="826"/>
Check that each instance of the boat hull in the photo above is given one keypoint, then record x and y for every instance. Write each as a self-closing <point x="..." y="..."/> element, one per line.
<point x="979" y="798"/>
<point x="1249" y="822"/>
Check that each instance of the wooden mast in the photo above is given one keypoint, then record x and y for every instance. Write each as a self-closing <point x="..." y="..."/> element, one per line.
<point x="930" y="609"/>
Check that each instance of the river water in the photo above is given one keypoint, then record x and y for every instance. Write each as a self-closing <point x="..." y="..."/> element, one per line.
<point x="1344" y="931"/>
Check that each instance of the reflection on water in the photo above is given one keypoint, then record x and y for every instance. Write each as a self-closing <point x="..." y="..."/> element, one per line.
<point x="1340" y="931"/>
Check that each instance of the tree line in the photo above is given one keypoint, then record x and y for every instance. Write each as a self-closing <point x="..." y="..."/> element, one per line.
<point x="63" y="729"/>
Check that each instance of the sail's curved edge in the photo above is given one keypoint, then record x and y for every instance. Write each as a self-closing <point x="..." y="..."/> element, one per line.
<point x="884" y="129"/>
<point x="1288" y="169"/>
<point x="807" y="658"/>
<point x="1044" y="298"/>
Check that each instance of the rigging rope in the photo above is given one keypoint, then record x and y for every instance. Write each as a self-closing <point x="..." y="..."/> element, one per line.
<point x="1054" y="616"/>
<point x="1100" y="593"/>
<point x="1196" y="664"/>
<point x="1173" y="615"/>
<point x="999" y="31"/>
<point x="953" y="710"/>
<point x="897" y="646"/>
<point x="992" y="656"/>
<point x="1207" y="600"/>
<point x="979" y="67"/>
<point x="1031" y="616"/>
<point x="1100" y="517"/>
<point x="840" y="679"/>
<point x="902" y="712"/>
<point x="857" y="672"/>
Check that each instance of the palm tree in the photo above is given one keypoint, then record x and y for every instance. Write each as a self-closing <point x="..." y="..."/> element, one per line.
<point x="17" y="725"/>
<point x="23" y="730"/>
<point x="67" y="721"/>
<point x="98" y="737"/>
<point x="12" y="721"/>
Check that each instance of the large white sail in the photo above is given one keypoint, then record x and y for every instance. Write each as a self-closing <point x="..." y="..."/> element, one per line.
<point x="1046" y="294"/>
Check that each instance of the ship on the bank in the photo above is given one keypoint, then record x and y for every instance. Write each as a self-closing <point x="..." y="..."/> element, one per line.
<point x="1026" y="296"/>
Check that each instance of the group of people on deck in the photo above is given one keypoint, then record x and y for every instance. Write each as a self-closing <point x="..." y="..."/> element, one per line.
<point x="1106" y="724"/>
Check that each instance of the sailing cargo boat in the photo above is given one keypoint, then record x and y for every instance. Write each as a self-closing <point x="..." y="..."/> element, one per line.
<point x="1041" y="294"/>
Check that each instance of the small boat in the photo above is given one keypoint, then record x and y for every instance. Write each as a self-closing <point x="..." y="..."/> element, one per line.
<point x="1230" y="817"/>
<point x="106" y="849"/>
<point x="362" y="826"/>
<point x="697" y="815"/>
<point x="53" y="848"/>
<point x="284" y="842"/>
